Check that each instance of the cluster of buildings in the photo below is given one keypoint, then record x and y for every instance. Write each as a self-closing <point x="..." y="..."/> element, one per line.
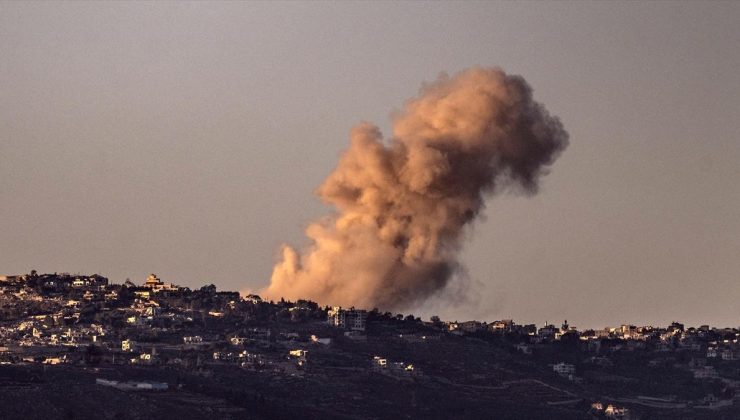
<point x="400" y="370"/>
<point x="720" y="343"/>
<point x="78" y="319"/>
<point x="609" y="411"/>
<point x="64" y="319"/>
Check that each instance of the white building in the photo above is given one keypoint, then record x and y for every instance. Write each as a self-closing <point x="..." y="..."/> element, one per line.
<point x="728" y="354"/>
<point x="380" y="362"/>
<point x="705" y="372"/>
<point x="564" y="369"/>
<point x="238" y="341"/>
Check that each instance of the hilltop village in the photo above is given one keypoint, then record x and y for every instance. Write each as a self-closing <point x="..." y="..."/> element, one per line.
<point x="79" y="346"/>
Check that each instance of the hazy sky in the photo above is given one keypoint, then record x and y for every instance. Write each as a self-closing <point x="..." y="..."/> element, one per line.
<point x="186" y="139"/>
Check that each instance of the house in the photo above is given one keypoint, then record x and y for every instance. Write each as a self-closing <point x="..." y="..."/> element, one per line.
<point x="471" y="326"/>
<point x="135" y="320"/>
<point x="705" y="372"/>
<point x="396" y="369"/>
<point x="317" y="340"/>
<point x="152" y="311"/>
<point x="547" y="332"/>
<point x="251" y="360"/>
<point x="301" y="356"/>
<point x="729" y="354"/>
<point x="299" y="353"/>
<point x="143" y="294"/>
<point x="454" y="327"/>
<point x="95" y="281"/>
<point x="128" y="345"/>
<point x="150" y="386"/>
<point x="565" y="369"/>
<point x="237" y="341"/>
<point x="133" y="386"/>
<point x="709" y="399"/>
<point x="500" y="327"/>
<point x="379" y="362"/>
<point x="529" y="329"/>
<point x="613" y="412"/>
<point x="223" y="356"/>
<point x="418" y="337"/>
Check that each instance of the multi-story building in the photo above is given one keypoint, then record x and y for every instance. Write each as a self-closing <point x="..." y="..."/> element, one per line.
<point x="350" y="319"/>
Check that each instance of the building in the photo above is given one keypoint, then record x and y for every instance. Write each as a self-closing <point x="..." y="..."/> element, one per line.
<point x="613" y="412"/>
<point x="134" y="385"/>
<point x="128" y="345"/>
<point x="155" y="284"/>
<point x="705" y="372"/>
<point x="350" y="319"/>
<point x="299" y="353"/>
<point x="319" y="340"/>
<point x="396" y="369"/>
<point x="301" y="357"/>
<point x="379" y="362"/>
<point x="564" y="369"/>
<point x="238" y="341"/>
<point x="470" y="326"/>
<point x="729" y="354"/>
<point x="547" y="332"/>
<point x="503" y="326"/>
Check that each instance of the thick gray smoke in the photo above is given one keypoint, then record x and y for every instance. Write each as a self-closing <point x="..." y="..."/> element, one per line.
<point x="402" y="205"/>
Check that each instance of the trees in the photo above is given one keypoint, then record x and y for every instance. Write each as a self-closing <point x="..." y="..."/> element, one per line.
<point x="209" y="289"/>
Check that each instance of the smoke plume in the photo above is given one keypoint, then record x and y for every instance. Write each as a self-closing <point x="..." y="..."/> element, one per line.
<point x="403" y="204"/>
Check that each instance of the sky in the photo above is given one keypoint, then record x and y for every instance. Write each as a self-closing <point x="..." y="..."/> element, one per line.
<point x="187" y="139"/>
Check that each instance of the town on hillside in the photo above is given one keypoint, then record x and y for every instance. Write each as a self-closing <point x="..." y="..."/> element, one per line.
<point x="79" y="346"/>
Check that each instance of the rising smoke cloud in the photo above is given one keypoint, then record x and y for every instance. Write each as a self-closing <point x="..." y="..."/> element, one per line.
<point x="403" y="205"/>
